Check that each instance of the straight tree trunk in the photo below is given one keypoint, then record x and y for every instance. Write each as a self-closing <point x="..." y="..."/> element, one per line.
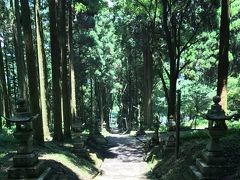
<point x="48" y="96"/>
<point x="41" y="68"/>
<point x="171" y="45"/>
<point x="13" y="81"/>
<point x="4" y="94"/>
<point x="57" y="115"/>
<point x="65" y="82"/>
<point x="1" y="108"/>
<point x="72" y="68"/>
<point x="8" y="72"/>
<point x="106" y="108"/>
<point x="223" y="54"/>
<point x="130" y="116"/>
<point x="82" y="115"/>
<point x="148" y="83"/>
<point x="21" y="66"/>
<point x="101" y="108"/>
<point x="91" y="125"/>
<point x="32" y="72"/>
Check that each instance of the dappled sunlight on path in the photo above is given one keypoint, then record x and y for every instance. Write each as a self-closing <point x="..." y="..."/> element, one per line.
<point x="124" y="159"/>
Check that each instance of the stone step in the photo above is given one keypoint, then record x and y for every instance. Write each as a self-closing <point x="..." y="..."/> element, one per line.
<point x="213" y="158"/>
<point x="26" y="172"/>
<point x="194" y="174"/>
<point x="25" y="160"/>
<point x="211" y="170"/>
<point x="59" y="176"/>
<point x="47" y="174"/>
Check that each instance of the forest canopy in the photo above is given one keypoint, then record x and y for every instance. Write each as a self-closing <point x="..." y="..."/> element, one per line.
<point x="116" y="61"/>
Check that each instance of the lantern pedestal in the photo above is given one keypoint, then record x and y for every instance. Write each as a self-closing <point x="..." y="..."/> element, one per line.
<point x="213" y="164"/>
<point x="25" y="163"/>
<point x="78" y="143"/>
<point x="170" y="143"/>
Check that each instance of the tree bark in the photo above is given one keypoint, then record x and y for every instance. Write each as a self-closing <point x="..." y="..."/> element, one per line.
<point x="65" y="82"/>
<point x="1" y="107"/>
<point x="32" y="72"/>
<point x="91" y="125"/>
<point x="8" y="84"/>
<point x="4" y="94"/>
<point x="57" y="115"/>
<point x="148" y="85"/>
<point x="171" y="45"/>
<point x="21" y="66"/>
<point x="41" y="68"/>
<point x="130" y="116"/>
<point x="72" y="68"/>
<point x="223" y="54"/>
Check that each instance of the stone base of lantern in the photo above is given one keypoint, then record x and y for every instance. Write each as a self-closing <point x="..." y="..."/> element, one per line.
<point x="211" y="165"/>
<point x="27" y="166"/>
<point x="169" y="146"/>
<point x="79" y="147"/>
<point x="23" y="160"/>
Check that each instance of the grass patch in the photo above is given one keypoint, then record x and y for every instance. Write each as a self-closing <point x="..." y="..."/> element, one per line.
<point x="59" y="156"/>
<point x="195" y="134"/>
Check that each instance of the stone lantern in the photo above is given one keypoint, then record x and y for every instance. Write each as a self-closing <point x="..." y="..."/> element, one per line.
<point x="78" y="143"/>
<point x="155" y="138"/>
<point x="212" y="163"/>
<point x="25" y="163"/>
<point x="171" y="140"/>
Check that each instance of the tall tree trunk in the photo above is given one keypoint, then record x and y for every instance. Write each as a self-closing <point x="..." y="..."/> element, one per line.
<point x="106" y="108"/>
<point x="41" y="68"/>
<point x="8" y="72"/>
<point x="91" y="125"/>
<point x="1" y="108"/>
<point x="101" y="107"/>
<point x="32" y="72"/>
<point x="223" y="54"/>
<point x="14" y="82"/>
<point x="148" y="83"/>
<point x="130" y="116"/>
<point x="99" y="101"/>
<point x="48" y="95"/>
<point x="82" y="115"/>
<point x="21" y="66"/>
<point x="72" y="68"/>
<point x="171" y="45"/>
<point x="57" y="115"/>
<point x="4" y="94"/>
<point x="65" y="82"/>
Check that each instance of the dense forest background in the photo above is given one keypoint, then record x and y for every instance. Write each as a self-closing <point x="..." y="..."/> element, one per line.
<point x="120" y="62"/>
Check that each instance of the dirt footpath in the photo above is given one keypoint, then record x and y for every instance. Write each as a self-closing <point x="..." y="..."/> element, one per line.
<point x="123" y="159"/>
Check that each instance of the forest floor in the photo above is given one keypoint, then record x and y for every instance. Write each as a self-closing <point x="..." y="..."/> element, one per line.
<point x="59" y="157"/>
<point x="123" y="159"/>
<point x="167" y="167"/>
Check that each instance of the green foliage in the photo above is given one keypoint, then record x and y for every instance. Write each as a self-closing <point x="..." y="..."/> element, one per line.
<point x="196" y="98"/>
<point x="234" y="93"/>
<point x="196" y="134"/>
<point x="80" y="7"/>
<point x="203" y="57"/>
<point x="6" y="136"/>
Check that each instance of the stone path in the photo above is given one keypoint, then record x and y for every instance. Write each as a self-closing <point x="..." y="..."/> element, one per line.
<point x="124" y="159"/>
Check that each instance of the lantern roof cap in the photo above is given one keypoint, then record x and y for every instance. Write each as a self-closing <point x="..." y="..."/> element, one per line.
<point x="216" y="113"/>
